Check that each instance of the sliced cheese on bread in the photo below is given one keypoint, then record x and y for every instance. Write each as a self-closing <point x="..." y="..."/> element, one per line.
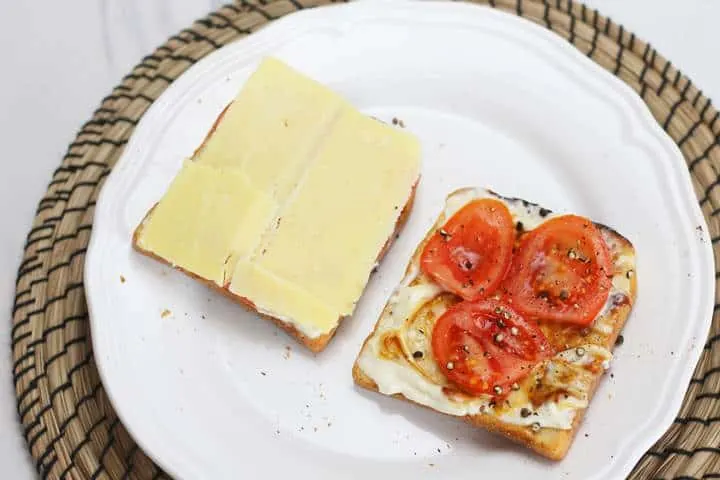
<point x="288" y="204"/>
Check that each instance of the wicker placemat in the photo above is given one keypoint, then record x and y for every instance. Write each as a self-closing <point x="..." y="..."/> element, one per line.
<point x="70" y="426"/>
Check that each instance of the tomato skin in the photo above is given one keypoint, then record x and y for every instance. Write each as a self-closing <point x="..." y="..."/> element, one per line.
<point x="561" y="272"/>
<point x="484" y="347"/>
<point x="470" y="255"/>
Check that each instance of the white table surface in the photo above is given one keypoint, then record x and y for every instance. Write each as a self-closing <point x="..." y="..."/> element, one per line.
<point x="61" y="58"/>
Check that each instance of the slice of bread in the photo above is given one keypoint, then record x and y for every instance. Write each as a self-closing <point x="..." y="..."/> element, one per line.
<point x="388" y="366"/>
<point x="289" y="202"/>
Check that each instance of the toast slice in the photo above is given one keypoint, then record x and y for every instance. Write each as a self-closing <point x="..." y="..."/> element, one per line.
<point x="288" y="203"/>
<point x="544" y="409"/>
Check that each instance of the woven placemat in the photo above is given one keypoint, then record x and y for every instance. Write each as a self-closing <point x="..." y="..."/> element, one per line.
<point x="70" y="426"/>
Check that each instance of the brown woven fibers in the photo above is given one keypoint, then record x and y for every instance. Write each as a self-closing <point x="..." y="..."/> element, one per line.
<point x="68" y="422"/>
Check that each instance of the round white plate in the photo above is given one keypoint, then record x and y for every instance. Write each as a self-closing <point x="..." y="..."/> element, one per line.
<point x="212" y="391"/>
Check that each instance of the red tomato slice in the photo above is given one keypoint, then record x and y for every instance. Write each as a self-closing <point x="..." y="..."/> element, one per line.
<point x="485" y="347"/>
<point x="561" y="272"/>
<point x="471" y="253"/>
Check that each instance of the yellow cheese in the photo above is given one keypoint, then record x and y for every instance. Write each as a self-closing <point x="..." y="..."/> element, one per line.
<point x="329" y="235"/>
<point x="290" y="200"/>
<point x="281" y="299"/>
<point x="273" y="127"/>
<point x="206" y="216"/>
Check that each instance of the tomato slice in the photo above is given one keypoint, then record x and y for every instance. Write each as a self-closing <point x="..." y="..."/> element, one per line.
<point x="471" y="253"/>
<point x="561" y="272"/>
<point x="484" y="347"/>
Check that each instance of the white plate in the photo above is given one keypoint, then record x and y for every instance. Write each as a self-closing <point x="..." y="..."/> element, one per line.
<point x="215" y="392"/>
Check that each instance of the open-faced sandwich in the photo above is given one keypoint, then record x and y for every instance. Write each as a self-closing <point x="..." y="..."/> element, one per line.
<point x="506" y="316"/>
<point x="288" y="204"/>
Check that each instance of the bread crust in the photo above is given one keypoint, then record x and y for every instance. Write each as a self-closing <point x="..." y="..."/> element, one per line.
<point x="315" y="344"/>
<point x="549" y="443"/>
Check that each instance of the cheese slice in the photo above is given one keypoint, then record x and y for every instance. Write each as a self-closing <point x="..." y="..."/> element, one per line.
<point x="284" y="300"/>
<point x="328" y="236"/>
<point x="207" y="217"/>
<point x="273" y="127"/>
<point x="289" y="201"/>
